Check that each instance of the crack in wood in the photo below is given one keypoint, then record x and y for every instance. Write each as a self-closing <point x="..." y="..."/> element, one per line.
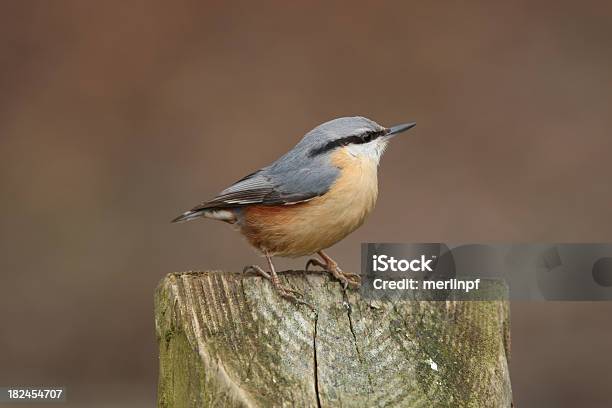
<point x="349" y="310"/>
<point x="316" y="363"/>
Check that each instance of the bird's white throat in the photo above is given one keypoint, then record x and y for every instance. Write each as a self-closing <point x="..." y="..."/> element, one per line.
<point x="373" y="150"/>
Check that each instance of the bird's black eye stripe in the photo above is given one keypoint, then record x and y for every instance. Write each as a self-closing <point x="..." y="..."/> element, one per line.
<point x="354" y="139"/>
<point x="369" y="136"/>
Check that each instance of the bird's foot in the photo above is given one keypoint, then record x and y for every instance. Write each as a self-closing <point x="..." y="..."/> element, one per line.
<point x="348" y="280"/>
<point x="284" y="292"/>
<point x="257" y="270"/>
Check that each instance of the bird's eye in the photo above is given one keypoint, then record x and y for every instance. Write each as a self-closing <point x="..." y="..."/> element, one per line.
<point x="367" y="137"/>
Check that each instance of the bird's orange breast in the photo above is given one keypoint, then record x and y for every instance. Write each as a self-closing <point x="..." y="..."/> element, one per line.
<point x="304" y="228"/>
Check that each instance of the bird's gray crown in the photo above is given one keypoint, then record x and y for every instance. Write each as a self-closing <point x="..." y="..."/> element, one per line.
<point x="338" y="132"/>
<point x="340" y="128"/>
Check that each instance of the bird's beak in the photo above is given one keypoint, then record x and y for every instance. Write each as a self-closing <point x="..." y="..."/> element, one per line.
<point x="394" y="130"/>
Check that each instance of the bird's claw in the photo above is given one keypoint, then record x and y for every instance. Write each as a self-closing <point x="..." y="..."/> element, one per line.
<point x="289" y="291"/>
<point x="285" y="292"/>
<point x="346" y="278"/>
<point x="293" y="296"/>
<point x="349" y="280"/>
<point x="258" y="270"/>
<point x="315" y="262"/>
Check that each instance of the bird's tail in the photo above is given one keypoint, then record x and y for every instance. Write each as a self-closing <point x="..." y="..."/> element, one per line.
<point x="220" y="214"/>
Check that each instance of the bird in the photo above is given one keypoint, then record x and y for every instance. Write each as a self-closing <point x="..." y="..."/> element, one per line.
<point x="309" y="199"/>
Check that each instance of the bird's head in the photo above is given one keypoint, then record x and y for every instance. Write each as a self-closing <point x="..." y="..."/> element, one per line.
<point x="357" y="136"/>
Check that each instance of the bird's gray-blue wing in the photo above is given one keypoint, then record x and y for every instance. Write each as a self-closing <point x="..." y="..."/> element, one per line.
<point x="271" y="186"/>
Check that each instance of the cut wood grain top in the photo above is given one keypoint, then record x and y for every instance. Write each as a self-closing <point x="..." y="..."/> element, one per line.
<point x="229" y="340"/>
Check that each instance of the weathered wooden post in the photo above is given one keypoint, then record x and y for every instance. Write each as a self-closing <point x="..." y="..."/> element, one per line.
<point x="228" y="340"/>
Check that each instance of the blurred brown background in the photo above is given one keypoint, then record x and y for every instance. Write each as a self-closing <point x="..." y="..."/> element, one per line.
<point x="117" y="116"/>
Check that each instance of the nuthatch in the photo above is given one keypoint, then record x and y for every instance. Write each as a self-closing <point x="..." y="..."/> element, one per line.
<point x="310" y="198"/>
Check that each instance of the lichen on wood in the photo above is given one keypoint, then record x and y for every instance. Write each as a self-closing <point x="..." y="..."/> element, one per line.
<point x="229" y="340"/>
